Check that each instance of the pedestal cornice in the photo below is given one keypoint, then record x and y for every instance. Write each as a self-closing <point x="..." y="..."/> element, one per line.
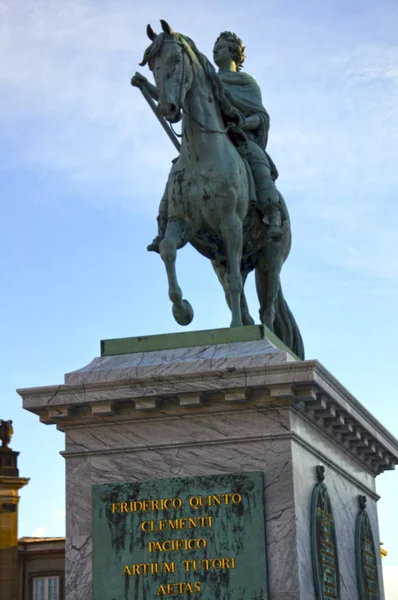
<point x="168" y="389"/>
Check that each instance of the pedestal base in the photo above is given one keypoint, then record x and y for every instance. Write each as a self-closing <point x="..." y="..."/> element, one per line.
<point x="212" y="409"/>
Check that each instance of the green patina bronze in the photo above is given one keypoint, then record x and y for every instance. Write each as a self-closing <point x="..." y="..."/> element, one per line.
<point x="189" y="339"/>
<point x="325" y="563"/>
<point x="196" y="537"/>
<point x="220" y="195"/>
<point x="366" y="558"/>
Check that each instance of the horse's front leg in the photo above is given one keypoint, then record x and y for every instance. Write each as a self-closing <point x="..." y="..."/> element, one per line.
<point x="233" y="238"/>
<point x="176" y="236"/>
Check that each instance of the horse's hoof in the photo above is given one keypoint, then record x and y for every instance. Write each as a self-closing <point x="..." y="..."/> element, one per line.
<point x="268" y="322"/>
<point x="248" y="321"/>
<point x="236" y="323"/>
<point x="183" y="313"/>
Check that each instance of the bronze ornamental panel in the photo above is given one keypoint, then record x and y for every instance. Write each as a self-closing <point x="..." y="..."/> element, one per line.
<point x="366" y="557"/>
<point x="197" y="537"/>
<point x="325" y="562"/>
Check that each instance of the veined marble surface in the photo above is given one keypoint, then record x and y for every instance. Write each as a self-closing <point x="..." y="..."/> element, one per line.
<point x="125" y="386"/>
<point x="277" y="441"/>
<point x="178" y="361"/>
<point x="270" y="453"/>
<point x="243" y="406"/>
<point x="343" y="492"/>
<point x="332" y="452"/>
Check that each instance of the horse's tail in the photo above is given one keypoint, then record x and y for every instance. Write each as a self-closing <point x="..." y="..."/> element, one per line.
<point x="285" y="326"/>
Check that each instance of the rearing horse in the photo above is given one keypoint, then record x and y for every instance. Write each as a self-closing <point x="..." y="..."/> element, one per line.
<point x="208" y="189"/>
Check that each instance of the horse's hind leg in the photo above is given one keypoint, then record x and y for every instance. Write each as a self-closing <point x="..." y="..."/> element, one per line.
<point x="221" y="272"/>
<point x="246" y="317"/>
<point x="176" y="236"/>
<point x="233" y="239"/>
<point x="268" y="271"/>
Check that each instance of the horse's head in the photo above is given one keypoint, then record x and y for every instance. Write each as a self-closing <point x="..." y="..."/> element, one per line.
<point x="168" y="59"/>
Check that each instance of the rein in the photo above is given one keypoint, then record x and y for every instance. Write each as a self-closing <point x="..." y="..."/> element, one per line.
<point x="207" y="129"/>
<point x="201" y="125"/>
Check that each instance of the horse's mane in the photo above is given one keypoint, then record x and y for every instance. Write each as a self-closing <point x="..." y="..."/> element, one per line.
<point x="229" y="112"/>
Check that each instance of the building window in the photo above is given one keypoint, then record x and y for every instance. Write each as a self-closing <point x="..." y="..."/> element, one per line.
<point x="46" y="588"/>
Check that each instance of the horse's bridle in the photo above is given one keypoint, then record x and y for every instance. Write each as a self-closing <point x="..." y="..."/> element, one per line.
<point x="183" y="49"/>
<point x="201" y="125"/>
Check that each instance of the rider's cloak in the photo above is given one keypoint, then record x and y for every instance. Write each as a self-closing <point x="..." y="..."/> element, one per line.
<point x="245" y="95"/>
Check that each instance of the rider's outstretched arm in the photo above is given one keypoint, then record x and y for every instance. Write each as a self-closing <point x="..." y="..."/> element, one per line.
<point x="153" y="90"/>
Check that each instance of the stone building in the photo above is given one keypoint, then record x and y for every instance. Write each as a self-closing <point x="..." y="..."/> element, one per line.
<point x="30" y="568"/>
<point x="41" y="568"/>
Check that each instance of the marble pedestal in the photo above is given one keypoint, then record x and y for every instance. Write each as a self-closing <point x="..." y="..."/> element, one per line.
<point x="212" y="408"/>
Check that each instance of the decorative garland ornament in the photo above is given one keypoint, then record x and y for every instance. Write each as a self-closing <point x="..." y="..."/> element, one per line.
<point x="366" y="557"/>
<point x="325" y="564"/>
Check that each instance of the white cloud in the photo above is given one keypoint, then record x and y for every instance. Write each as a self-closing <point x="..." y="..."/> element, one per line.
<point x="64" y="84"/>
<point x="73" y="69"/>
<point x="67" y="84"/>
<point x="55" y="521"/>
<point x="58" y="517"/>
<point x="390" y="576"/>
<point x="39" y="532"/>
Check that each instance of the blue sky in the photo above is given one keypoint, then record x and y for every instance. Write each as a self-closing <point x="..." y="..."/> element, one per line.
<point x="83" y="165"/>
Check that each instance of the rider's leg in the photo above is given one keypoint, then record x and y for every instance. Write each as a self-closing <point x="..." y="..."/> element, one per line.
<point x="267" y="195"/>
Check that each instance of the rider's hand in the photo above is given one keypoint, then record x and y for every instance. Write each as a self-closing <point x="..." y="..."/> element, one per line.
<point x="237" y="127"/>
<point x="238" y="122"/>
<point x="138" y="80"/>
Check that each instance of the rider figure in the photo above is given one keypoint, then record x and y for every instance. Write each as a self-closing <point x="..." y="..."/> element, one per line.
<point x="245" y="95"/>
